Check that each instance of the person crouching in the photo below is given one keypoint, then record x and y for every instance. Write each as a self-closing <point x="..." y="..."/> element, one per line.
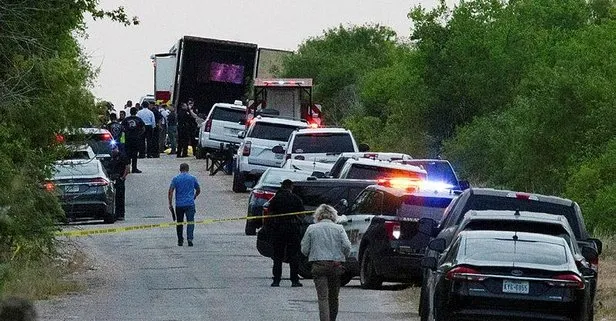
<point x="326" y="245"/>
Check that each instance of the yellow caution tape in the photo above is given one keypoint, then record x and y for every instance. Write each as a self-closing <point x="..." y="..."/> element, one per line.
<point x="112" y="230"/>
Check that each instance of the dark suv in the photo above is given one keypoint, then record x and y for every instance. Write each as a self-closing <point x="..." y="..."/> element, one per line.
<point x="389" y="228"/>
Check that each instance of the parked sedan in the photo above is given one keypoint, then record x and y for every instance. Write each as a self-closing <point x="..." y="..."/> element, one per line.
<point x="84" y="190"/>
<point x="500" y="275"/>
<point x="264" y="190"/>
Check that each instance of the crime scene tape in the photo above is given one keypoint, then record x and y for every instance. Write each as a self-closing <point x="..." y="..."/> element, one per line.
<point x="112" y="230"/>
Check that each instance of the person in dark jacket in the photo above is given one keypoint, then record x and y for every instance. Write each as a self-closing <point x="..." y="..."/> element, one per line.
<point x="119" y="167"/>
<point x="286" y="232"/>
<point x="133" y="128"/>
<point x="172" y="129"/>
<point x="186" y="124"/>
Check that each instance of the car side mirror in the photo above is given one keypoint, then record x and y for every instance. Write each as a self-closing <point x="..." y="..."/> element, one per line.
<point x="598" y="244"/>
<point x="429" y="263"/>
<point x="590" y="253"/>
<point x="363" y="148"/>
<point x="464" y="185"/>
<point x="438" y="245"/>
<point x="241" y="134"/>
<point x="318" y="174"/>
<point x="278" y="149"/>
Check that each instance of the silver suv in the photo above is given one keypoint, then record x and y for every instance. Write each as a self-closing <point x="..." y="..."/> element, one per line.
<point x="255" y="152"/>
<point x="221" y="126"/>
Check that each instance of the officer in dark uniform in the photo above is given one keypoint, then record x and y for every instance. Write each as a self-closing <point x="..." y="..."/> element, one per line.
<point x="133" y="128"/>
<point x="118" y="170"/>
<point x="286" y="232"/>
<point x="186" y="125"/>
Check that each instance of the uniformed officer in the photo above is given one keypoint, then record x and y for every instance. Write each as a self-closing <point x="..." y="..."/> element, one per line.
<point x="119" y="166"/>
<point x="286" y="232"/>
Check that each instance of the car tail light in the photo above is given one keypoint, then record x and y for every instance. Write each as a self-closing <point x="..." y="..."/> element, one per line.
<point x="392" y="229"/>
<point x="246" y="151"/>
<point x="49" y="186"/>
<point x="594" y="264"/>
<point x="60" y="138"/>
<point x="106" y="137"/>
<point x="568" y="280"/>
<point x="267" y="195"/>
<point x="99" y="182"/>
<point x="208" y="126"/>
<point x="465" y="273"/>
<point x="523" y="196"/>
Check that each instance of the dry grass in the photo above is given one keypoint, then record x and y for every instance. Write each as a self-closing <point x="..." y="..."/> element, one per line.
<point x="606" y="293"/>
<point x="45" y="278"/>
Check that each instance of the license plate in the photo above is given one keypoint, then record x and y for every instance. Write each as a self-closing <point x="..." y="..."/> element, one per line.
<point x="72" y="189"/>
<point x="516" y="287"/>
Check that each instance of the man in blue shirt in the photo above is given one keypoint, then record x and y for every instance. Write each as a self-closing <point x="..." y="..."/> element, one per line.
<point x="186" y="189"/>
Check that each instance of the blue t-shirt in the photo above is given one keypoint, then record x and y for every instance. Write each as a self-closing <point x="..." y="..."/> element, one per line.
<point x="185" y="185"/>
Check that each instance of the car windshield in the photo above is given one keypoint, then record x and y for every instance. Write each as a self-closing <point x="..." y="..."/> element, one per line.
<point x="415" y="206"/>
<point x="361" y="171"/>
<point x="334" y="143"/>
<point x="76" y="169"/>
<point x="487" y="202"/>
<point x="437" y="171"/>
<point x="509" y="251"/>
<point x="276" y="177"/>
<point x="228" y="114"/>
<point x="269" y="131"/>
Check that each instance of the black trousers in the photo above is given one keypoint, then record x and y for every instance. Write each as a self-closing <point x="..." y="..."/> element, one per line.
<point x="132" y="149"/>
<point x="286" y="243"/>
<point x="183" y="141"/>
<point x="153" y="143"/>
<point x="120" y="197"/>
<point x="146" y="141"/>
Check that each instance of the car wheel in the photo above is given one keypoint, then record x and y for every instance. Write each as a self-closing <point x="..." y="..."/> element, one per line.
<point x="238" y="182"/>
<point x="305" y="268"/>
<point x="109" y="218"/>
<point x="367" y="274"/>
<point x="250" y="228"/>
<point x="346" y="278"/>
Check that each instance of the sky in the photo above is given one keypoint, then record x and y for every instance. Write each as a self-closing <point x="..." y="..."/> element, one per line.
<point x="122" y="54"/>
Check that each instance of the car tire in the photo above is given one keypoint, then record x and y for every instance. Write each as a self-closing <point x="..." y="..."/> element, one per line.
<point x="305" y="267"/>
<point x="367" y="274"/>
<point x="239" y="185"/>
<point x="346" y="278"/>
<point x="109" y="218"/>
<point x="250" y="228"/>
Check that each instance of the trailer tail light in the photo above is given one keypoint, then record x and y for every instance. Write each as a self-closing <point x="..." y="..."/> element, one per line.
<point x="569" y="280"/>
<point x="266" y="195"/>
<point x="99" y="181"/>
<point x="465" y="273"/>
<point x="392" y="229"/>
<point x="208" y="126"/>
<point x="246" y="149"/>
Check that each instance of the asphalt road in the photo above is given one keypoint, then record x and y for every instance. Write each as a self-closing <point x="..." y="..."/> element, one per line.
<point x="144" y="275"/>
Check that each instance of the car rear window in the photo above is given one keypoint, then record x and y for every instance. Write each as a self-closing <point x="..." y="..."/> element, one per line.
<point x="100" y="143"/>
<point x="269" y="131"/>
<point x="488" y="202"/>
<point x="228" y="114"/>
<point x="437" y="171"/>
<point x="276" y="177"/>
<point x="334" y="143"/>
<point x="361" y="171"/>
<point x="417" y="207"/>
<point x="509" y="251"/>
<point x="81" y="169"/>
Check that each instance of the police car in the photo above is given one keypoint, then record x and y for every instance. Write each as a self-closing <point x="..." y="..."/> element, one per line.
<point x="389" y="227"/>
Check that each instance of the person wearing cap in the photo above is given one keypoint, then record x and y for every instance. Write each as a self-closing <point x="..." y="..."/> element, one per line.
<point x="286" y="232"/>
<point x="119" y="167"/>
<point x="326" y="245"/>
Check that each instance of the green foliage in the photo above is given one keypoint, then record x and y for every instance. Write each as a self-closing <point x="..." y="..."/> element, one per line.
<point x="517" y="94"/>
<point x="44" y="85"/>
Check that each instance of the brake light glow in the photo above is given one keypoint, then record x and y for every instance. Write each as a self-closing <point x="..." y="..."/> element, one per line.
<point x="267" y="195"/>
<point x="106" y="137"/>
<point x="246" y="150"/>
<point x="569" y="280"/>
<point x="49" y="186"/>
<point x="208" y="126"/>
<point x="465" y="273"/>
<point x="392" y="229"/>
<point x="523" y="196"/>
<point x="313" y="125"/>
<point x="99" y="181"/>
<point x="60" y="138"/>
